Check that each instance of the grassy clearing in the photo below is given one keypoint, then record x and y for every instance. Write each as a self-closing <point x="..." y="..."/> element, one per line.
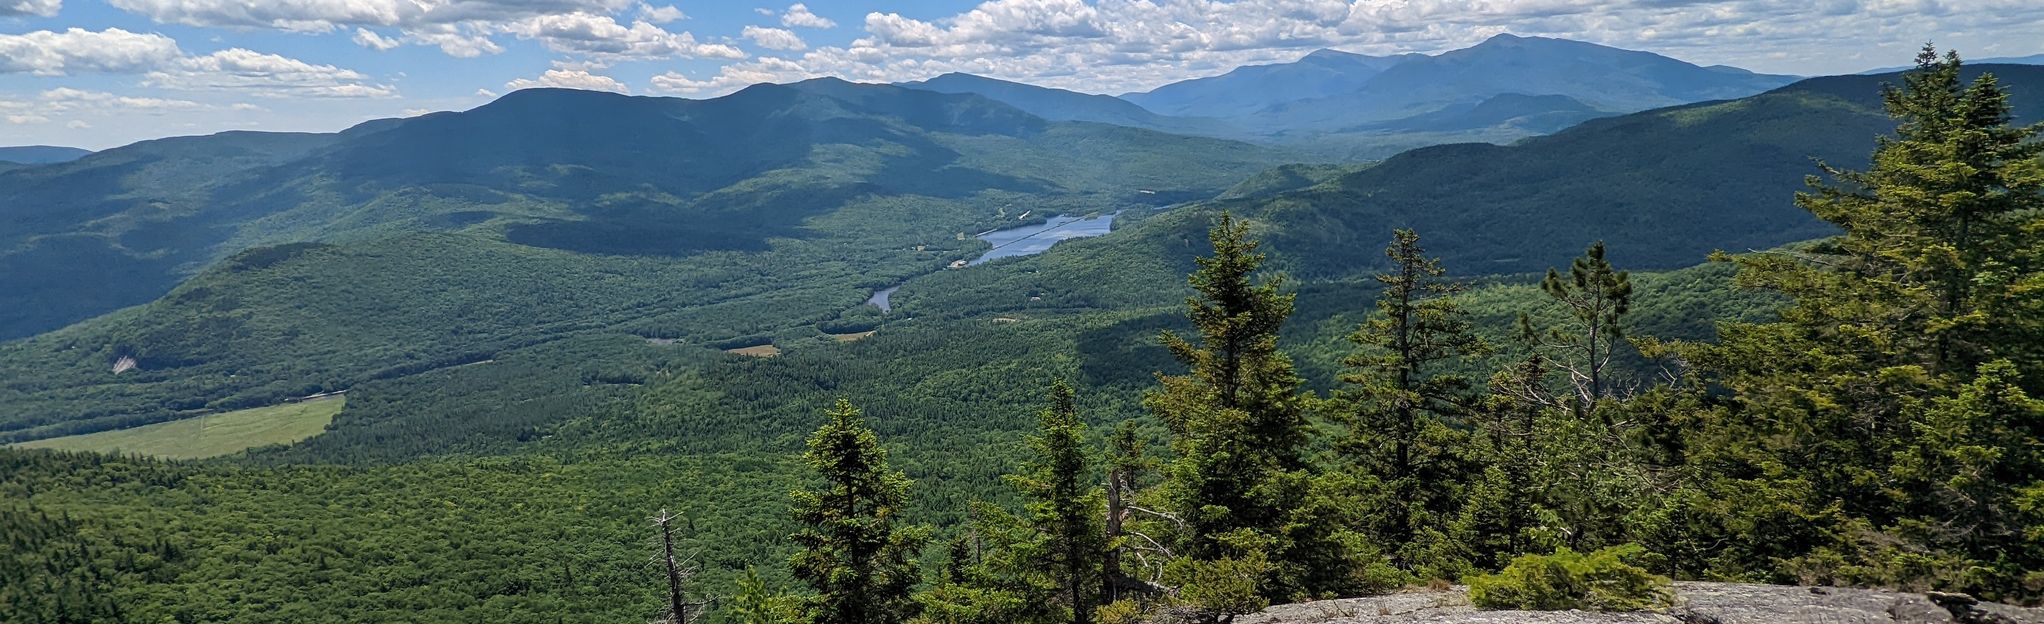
<point x="765" y="351"/>
<point x="211" y="435"/>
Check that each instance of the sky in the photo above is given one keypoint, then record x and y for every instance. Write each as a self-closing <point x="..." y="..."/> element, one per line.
<point x="103" y="73"/>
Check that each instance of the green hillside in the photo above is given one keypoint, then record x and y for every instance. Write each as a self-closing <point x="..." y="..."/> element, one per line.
<point x="578" y="171"/>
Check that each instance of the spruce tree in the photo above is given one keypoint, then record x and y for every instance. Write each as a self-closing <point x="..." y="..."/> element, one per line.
<point x="1403" y="394"/>
<point x="857" y="557"/>
<point x="1065" y="507"/>
<point x="1893" y="389"/>
<point x="1241" y="486"/>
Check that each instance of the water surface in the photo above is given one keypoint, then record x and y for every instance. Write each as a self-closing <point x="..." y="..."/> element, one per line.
<point x="1029" y="240"/>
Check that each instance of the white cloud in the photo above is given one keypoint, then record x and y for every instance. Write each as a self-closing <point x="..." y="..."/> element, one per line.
<point x="486" y="93"/>
<point x="77" y="125"/>
<point x="603" y="37"/>
<point x="64" y="99"/>
<point x="570" y="79"/>
<point x="369" y="39"/>
<point x="456" y="40"/>
<point x="50" y="53"/>
<point x="733" y="77"/>
<point x="44" y="8"/>
<point x="660" y="14"/>
<point x="798" y="16"/>
<point x="774" y="38"/>
<point x="27" y="119"/>
<point x="326" y="15"/>
<point x="267" y="75"/>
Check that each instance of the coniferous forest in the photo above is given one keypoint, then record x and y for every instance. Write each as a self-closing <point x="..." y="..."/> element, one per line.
<point x="1863" y="409"/>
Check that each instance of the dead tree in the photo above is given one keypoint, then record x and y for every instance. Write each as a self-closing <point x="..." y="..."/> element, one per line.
<point x="679" y="572"/>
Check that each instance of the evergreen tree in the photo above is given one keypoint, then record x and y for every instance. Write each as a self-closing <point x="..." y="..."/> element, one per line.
<point x="1892" y="391"/>
<point x="856" y="556"/>
<point x="1241" y="486"/>
<point x="1403" y="394"/>
<point x="1043" y="566"/>
<point x="1597" y="297"/>
<point x="1065" y="507"/>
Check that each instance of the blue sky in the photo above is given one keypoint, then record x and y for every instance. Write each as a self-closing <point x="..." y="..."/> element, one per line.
<point x="100" y="73"/>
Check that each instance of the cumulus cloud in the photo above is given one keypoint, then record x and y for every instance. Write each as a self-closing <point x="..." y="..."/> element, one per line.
<point x="798" y="16"/>
<point x="43" y="8"/>
<point x="570" y="79"/>
<point x="602" y="37"/>
<point x="50" y="53"/>
<point x="774" y="38"/>
<point x="660" y="14"/>
<point x="27" y="119"/>
<point x="266" y="75"/>
<point x="369" y="39"/>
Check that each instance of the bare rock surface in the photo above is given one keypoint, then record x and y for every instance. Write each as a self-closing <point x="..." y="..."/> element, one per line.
<point x="1696" y="603"/>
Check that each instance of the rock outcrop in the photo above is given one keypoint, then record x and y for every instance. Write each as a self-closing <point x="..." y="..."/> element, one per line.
<point x="1697" y="603"/>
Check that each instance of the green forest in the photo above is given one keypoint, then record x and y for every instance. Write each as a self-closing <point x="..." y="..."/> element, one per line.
<point x="1061" y="438"/>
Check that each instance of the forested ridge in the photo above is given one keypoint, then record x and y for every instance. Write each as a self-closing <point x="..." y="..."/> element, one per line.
<point x="1860" y="411"/>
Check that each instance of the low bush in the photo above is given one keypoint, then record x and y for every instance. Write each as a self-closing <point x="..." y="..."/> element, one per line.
<point x="1611" y="579"/>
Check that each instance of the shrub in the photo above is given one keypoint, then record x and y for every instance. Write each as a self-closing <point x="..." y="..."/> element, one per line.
<point x="1611" y="579"/>
<point x="1219" y="590"/>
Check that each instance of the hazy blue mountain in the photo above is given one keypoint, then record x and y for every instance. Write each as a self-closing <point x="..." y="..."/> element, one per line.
<point x="1064" y="105"/>
<point x="1248" y="89"/>
<point x="1604" y="78"/>
<point x="40" y="154"/>
<point x="2034" y="59"/>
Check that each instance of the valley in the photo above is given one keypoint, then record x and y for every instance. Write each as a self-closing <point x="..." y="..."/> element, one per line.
<point x="444" y="367"/>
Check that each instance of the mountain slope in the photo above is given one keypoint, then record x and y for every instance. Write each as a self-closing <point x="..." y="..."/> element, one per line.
<point x="40" y="154"/>
<point x="446" y="239"/>
<point x="577" y="171"/>
<point x="1045" y="102"/>
<point x="1248" y="89"/>
<point x="1663" y="188"/>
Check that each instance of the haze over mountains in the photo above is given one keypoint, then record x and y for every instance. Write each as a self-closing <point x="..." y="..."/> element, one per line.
<point x="1342" y="105"/>
<point x="40" y="154"/>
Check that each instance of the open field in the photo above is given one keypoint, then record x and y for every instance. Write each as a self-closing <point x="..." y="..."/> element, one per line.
<point x="211" y="435"/>
<point x="765" y="351"/>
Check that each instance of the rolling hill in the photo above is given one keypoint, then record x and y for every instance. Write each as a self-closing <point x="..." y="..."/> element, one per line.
<point x="40" y="154"/>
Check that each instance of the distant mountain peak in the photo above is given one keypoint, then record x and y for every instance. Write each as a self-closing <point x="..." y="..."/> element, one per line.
<point x="1330" y="53"/>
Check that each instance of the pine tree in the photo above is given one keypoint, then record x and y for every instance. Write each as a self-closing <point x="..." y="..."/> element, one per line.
<point x="1597" y="298"/>
<point x="1403" y="394"/>
<point x="856" y="556"/>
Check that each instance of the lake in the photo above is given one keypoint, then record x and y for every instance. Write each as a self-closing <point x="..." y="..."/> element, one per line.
<point x="880" y="298"/>
<point x="1030" y="240"/>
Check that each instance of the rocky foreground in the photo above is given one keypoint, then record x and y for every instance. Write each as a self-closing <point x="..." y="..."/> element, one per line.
<point x="1697" y="603"/>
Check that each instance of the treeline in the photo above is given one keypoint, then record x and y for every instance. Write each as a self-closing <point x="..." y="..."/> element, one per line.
<point x="1883" y="431"/>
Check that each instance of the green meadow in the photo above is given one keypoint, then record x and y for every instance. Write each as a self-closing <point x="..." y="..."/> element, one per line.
<point x="211" y="435"/>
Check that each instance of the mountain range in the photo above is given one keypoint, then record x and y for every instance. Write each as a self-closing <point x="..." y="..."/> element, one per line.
<point x="1350" y="106"/>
